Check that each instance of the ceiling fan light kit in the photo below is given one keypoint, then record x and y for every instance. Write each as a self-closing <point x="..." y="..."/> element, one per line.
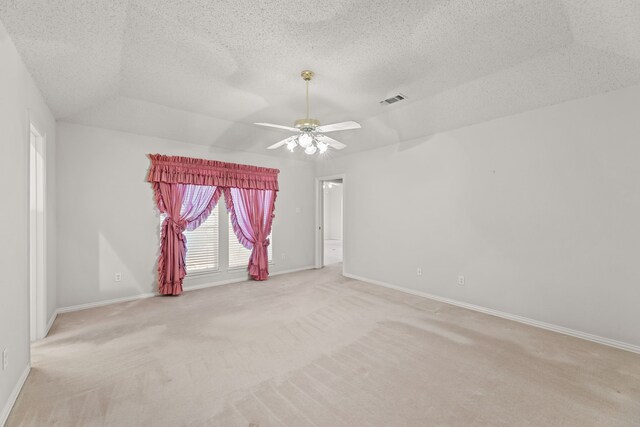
<point x="310" y="135"/>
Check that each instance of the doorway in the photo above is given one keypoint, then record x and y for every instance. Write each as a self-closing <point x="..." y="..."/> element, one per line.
<point x="332" y="221"/>
<point x="330" y="214"/>
<point x="37" y="288"/>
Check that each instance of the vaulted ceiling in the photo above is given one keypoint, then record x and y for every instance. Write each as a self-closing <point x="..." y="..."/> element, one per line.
<point x="203" y="71"/>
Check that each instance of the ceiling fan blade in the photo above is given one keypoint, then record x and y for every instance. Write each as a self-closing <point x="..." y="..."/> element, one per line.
<point x="271" y="125"/>
<point x="278" y="144"/>
<point x="332" y="142"/>
<point x="339" y="126"/>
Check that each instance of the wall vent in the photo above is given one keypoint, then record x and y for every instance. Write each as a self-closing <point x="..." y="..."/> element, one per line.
<point x="393" y="99"/>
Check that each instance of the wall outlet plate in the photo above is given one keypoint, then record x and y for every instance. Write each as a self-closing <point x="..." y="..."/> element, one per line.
<point x="118" y="277"/>
<point x="461" y="280"/>
<point x="419" y="272"/>
<point x="5" y="359"/>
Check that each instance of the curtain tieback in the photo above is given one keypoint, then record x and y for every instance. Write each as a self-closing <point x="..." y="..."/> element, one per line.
<point x="177" y="226"/>
<point x="264" y="243"/>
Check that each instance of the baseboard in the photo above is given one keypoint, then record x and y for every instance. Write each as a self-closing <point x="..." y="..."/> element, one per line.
<point x="149" y="295"/>
<point x="213" y="284"/>
<point x="532" y="322"/>
<point x="243" y="279"/>
<point x="13" y="396"/>
<point x="293" y="270"/>
<point x="105" y="302"/>
<point x="50" y="324"/>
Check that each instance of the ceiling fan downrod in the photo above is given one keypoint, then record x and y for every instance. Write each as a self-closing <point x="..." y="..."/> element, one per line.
<point x="307" y="123"/>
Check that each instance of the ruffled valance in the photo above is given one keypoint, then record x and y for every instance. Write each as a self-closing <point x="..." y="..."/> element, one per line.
<point x="186" y="170"/>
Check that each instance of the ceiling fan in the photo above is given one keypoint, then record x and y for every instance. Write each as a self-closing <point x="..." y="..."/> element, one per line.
<point x="309" y="134"/>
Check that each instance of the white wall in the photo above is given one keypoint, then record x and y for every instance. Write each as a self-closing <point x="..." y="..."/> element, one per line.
<point x="108" y="222"/>
<point x="20" y="102"/>
<point x="333" y="211"/>
<point x="540" y="211"/>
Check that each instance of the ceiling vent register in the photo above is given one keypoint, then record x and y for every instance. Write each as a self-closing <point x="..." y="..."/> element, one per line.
<point x="393" y="99"/>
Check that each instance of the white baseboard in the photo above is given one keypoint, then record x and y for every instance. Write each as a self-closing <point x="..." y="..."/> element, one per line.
<point x="242" y="279"/>
<point x="105" y="302"/>
<point x="149" y="295"/>
<point x="50" y="324"/>
<point x="212" y="284"/>
<point x="4" y="415"/>
<point x="532" y="322"/>
<point x="293" y="270"/>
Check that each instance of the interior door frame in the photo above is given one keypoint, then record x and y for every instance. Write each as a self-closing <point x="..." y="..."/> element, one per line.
<point x="319" y="238"/>
<point x="38" y="310"/>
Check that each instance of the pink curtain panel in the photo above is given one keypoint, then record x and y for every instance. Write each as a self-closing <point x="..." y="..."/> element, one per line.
<point x="186" y="206"/>
<point x="251" y="213"/>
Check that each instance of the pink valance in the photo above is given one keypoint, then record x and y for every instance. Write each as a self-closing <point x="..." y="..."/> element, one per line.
<point x="186" y="170"/>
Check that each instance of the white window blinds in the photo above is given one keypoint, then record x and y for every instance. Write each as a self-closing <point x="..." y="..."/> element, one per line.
<point x="202" y="245"/>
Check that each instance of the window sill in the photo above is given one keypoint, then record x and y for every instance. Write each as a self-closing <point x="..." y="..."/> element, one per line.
<point x="199" y="273"/>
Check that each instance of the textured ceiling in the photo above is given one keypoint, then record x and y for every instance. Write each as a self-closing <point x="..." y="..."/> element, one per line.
<point x="202" y="71"/>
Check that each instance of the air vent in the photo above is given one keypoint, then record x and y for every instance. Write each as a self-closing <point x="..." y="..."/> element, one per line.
<point x="393" y="99"/>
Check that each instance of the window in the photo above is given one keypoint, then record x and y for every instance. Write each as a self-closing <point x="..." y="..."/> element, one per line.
<point x="202" y="245"/>
<point x="238" y="254"/>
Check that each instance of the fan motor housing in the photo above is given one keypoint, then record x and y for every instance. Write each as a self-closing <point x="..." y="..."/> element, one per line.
<point x="307" y="123"/>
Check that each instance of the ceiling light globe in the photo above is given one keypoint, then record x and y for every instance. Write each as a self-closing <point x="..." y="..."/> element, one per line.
<point x="322" y="147"/>
<point x="305" y="140"/>
<point x="311" y="149"/>
<point x="291" y="144"/>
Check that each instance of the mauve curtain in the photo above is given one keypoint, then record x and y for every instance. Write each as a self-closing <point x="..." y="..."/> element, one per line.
<point x="251" y="213"/>
<point x="187" y="189"/>
<point x="186" y="207"/>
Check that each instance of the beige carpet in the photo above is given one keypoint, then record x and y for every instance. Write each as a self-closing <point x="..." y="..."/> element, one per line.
<point x="316" y="349"/>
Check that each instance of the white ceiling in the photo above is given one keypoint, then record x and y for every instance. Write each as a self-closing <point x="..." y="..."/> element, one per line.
<point x="203" y="71"/>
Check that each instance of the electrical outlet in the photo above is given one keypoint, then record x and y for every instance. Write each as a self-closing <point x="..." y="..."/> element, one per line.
<point x="419" y="272"/>
<point x="283" y="256"/>
<point x="5" y="359"/>
<point x="461" y="280"/>
<point x="118" y="277"/>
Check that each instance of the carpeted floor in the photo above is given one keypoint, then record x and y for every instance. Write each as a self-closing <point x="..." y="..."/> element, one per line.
<point x="316" y="349"/>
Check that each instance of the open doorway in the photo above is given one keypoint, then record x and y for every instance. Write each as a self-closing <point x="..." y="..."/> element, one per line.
<point x="37" y="287"/>
<point x="331" y="235"/>
<point x="332" y="221"/>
